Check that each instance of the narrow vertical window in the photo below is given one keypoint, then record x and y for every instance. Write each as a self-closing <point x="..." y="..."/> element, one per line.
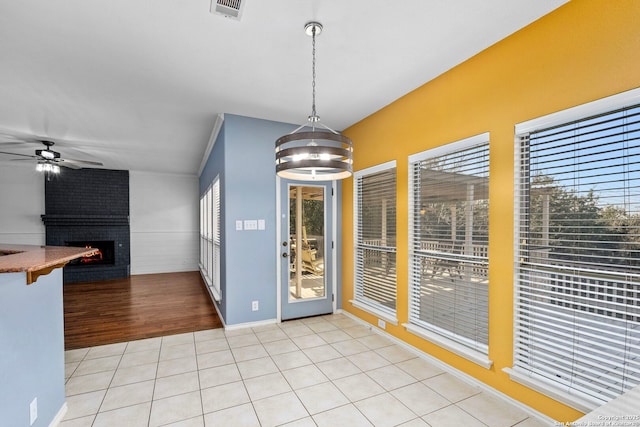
<point x="216" y="240"/>
<point x="449" y="246"/>
<point x="210" y="238"/>
<point x="203" y="237"/>
<point x="375" y="240"/>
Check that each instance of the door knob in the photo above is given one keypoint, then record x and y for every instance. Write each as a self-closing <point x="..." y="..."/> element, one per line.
<point x="285" y="255"/>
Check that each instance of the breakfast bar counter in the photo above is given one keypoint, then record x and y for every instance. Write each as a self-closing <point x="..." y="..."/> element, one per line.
<point x="38" y="260"/>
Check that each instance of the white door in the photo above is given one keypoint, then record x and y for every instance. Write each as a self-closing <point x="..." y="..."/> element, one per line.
<point x="306" y="248"/>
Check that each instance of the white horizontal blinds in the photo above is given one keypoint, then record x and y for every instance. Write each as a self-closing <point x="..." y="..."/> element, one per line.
<point x="203" y="239"/>
<point x="206" y="236"/>
<point x="375" y="277"/>
<point x="578" y="269"/>
<point x="216" y="237"/>
<point x="449" y="244"/>
<point x="210" y="237"/>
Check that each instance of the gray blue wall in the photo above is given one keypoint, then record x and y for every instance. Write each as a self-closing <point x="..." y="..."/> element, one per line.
<point x="243" y="156"/>
<point x="251" y="194"/>
<point x="31" y="348"/>
<point x="215" y="168"/>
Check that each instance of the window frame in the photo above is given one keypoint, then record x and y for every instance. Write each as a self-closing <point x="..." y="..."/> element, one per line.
<point x="369" y="306"/>
<point x="211" y="238"/>
<point x="580" y="401"/>
<point x="440" y="337"/>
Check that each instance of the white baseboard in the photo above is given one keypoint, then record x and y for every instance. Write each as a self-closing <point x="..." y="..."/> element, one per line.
<point x="462" y="376"/>
<point x="255" y="324"/>
<point x="59" y="416"/>
<point x="249" y="324"/>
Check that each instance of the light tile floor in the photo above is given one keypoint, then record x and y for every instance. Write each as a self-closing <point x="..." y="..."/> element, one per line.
<point x="322" y="371"/>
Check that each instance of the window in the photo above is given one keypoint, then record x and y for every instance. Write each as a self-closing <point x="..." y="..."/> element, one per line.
<point x="375" y="240"/>
<point x="210" y="238"/>
<point x="577" y="311"/>
<point x="448" y="246"/>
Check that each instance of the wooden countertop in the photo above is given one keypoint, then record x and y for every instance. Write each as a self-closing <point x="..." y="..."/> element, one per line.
<point x="37" y="260"/>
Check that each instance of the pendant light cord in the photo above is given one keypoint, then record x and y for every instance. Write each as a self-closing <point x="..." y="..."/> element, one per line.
<point x="314" y="117"/>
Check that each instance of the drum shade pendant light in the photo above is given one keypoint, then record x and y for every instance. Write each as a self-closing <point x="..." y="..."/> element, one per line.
<point x="318" y="154"/>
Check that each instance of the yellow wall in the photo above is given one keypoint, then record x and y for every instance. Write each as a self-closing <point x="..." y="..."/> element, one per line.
<point x="583" y="51"/>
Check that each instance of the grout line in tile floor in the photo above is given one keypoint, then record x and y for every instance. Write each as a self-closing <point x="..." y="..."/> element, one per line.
<point x="322" y="371"/>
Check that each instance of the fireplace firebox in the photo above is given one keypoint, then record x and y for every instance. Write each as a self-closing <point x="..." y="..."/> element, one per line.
<point x="105" y="254"/>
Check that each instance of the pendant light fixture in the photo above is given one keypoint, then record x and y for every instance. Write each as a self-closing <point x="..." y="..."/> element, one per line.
<point x="314" y="152"/>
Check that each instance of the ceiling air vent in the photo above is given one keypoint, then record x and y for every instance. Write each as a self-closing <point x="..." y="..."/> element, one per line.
<point x="227" y="8"/>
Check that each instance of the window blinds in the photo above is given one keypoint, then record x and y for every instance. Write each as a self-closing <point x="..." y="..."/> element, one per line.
<point x="215" y="276"/>
<point x="210" y="238"/>
<point x="203" y="240"/>
<point x="205" y="234"/>
<point x="375" y="240"/>
<point x="578" y="256"/>
<point x="449" y="213"/>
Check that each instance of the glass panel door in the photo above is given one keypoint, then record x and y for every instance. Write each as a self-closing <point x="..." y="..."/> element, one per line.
<point x="306" y="249"/>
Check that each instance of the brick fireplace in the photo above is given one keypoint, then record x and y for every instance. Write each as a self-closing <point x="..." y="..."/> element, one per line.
<point x="90" y="208"/>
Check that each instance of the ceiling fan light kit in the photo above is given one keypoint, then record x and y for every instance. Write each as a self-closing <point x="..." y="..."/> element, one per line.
<point x="48" y="167"/>
<point x="48" y="154"/>
<point x="319" y="154"/>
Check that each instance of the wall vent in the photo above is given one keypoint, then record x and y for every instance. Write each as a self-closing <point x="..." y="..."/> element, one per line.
<point x="227" y="8"/>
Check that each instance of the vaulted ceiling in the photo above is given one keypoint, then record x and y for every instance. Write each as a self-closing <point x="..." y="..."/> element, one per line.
<point x="137" y="84"/>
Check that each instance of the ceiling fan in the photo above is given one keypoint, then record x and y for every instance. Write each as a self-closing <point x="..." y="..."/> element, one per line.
<point x="50" y="161"/>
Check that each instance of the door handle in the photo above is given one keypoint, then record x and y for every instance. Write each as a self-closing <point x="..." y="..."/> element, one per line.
<point x="285" y="255"/>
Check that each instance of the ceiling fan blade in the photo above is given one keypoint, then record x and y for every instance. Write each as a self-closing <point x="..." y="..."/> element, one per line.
<point x="6" y="138"/>
<point x="14" y="144"/>
<point x="14" y="137"/>
<point x="17" y="154"/>
<point x="86" y="162"/>
<point x="68" y="165"/>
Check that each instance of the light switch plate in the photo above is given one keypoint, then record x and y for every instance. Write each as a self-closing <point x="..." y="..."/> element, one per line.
<point x="238" y="225"/>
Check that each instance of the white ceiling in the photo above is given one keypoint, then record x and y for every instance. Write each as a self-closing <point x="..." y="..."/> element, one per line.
<point x="137" y="84"/>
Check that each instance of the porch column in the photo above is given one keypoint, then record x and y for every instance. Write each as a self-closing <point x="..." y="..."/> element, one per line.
<point x="454" y="229"/>
<point x="468" y="227"/>
<point x="299" y="228"/>
<point x="468" y="224"/>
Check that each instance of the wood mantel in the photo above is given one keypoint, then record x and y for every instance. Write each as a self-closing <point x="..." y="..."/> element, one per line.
<point x="38" y="260"/>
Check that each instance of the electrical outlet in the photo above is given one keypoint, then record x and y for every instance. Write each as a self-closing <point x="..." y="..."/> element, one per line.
<point x="382" y="324"/>
<point x="254" y="306"/>
<point x="33" y="411"/>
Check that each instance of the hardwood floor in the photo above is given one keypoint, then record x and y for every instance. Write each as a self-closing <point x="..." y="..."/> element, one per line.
<point x="142" y="306"/>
